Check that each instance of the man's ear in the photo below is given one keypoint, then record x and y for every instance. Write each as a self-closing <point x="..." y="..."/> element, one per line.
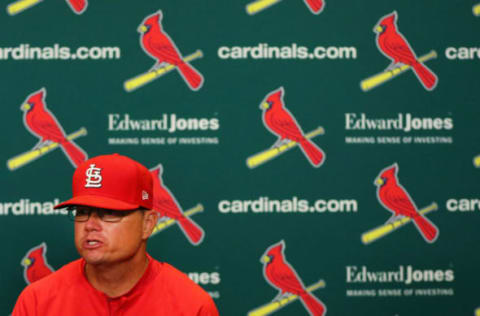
<point x="150" y="219"/>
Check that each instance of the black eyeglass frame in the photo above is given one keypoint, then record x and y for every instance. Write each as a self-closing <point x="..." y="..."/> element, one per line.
<point x="116" y="216"/>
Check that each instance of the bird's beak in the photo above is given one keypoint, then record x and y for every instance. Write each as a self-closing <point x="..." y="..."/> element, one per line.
<point x="142" y="29"/>
<point x="25" y="107"/>
<point x="265" y="259"/>
<point x="26" y="262"/>
<point x="379" y="182"/>
<point x="264" y="105"/>
<point x="378" y="29"/>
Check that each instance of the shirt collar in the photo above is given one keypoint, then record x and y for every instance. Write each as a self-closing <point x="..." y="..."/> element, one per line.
<point x="137" y="288"/>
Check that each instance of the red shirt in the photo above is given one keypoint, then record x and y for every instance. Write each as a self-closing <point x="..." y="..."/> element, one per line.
<point x="162" y="290"/>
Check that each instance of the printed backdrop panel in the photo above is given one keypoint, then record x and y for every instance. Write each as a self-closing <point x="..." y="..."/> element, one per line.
<point x="329" y="143"/>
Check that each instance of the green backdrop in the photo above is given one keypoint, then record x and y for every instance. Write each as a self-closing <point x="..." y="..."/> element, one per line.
<point x="207" y="164"/>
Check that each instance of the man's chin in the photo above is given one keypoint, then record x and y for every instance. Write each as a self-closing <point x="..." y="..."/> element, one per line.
<point x="93" y="261"/>
<point x="93" y="258"/>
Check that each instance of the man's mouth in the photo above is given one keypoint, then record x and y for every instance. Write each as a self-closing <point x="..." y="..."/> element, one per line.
<point x="92" y="243"/>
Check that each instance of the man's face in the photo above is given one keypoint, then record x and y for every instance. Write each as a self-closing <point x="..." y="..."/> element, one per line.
<point x="100" y="242"/>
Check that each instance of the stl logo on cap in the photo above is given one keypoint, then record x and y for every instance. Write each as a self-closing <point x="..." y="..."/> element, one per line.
<point x="395" y="198"/>
<point x="157" y="44"/>
<point x="393" y="45"/>
<point x="94" y="178"/>
<point x="119" y="182"/>
<point x="283" y="277"/>
<point x="281" y="123"/>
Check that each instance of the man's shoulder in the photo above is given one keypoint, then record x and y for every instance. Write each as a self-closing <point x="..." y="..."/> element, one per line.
<point x="62" y="278"/>
<point x="52" y="291"/>
<point x="179" y="283"/>
<point x="182" y="289"/>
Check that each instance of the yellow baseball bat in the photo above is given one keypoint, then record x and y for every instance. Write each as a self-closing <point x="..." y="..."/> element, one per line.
<point x="382" y="77"/>
<point x="147" y="77"/>
<point x="275" y="305"/>
<point x="27" y="157"/>
<point x="477" y="312"/>
<point x="269" y="154"/>
<point x="259" y="5"/>
<point x="476" y="10"/>
<point x="476" y="161"/>
<point x="169" y="222"/>
<point x="385" y="229"/>
<point x="21" y="5"/>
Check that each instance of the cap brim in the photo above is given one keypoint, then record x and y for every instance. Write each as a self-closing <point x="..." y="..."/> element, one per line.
<point x="98" y="201"/>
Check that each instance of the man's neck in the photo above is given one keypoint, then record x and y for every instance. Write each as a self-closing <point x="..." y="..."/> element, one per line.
<point x="118" y="279"/>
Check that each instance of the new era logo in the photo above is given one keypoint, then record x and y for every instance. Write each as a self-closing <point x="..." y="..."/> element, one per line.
<point x="94" y="178"/>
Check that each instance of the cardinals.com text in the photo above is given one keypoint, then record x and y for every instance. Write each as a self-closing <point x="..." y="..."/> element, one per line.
<point x="293" y="205"/>
<point x="27" y="52"/>
<point x="25" y="207"/>
<point x="294" y="51"/>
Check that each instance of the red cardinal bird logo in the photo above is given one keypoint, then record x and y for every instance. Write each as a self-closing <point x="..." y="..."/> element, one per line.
<point x="394" y="46"/>
<point x="316" y="6"/>
<point x="280" y="122"/>
<point x="158" y="45"/>
<point x="393" y="196"/>
<point x="281" y="275"/>
<point x="78" y="6"/>
<point x="35" y="264"/>
<point x="165" y="203"/>
<point x="43" y="124"/>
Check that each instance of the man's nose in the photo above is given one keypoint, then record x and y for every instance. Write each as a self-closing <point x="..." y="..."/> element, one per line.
<point x="93" y="222"/>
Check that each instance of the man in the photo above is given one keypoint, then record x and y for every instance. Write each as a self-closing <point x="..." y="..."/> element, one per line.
<point x="112" y="210"/>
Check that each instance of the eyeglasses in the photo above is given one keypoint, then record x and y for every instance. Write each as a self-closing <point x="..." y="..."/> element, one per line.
<point x="111" y="216"/>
